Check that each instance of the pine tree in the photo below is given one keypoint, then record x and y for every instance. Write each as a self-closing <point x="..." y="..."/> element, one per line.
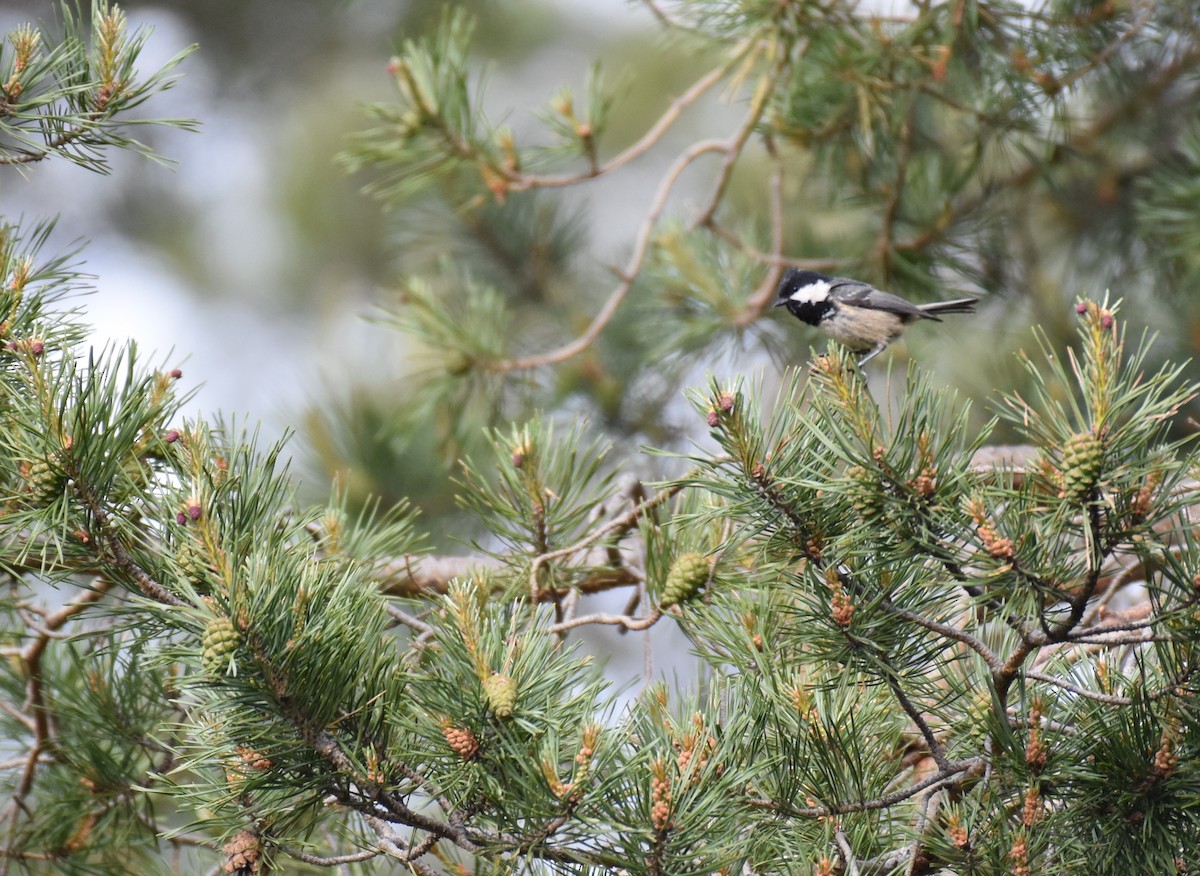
<point x="923" y="651"/>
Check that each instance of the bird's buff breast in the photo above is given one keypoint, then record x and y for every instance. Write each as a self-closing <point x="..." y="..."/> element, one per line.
<point x="862" y="329"/>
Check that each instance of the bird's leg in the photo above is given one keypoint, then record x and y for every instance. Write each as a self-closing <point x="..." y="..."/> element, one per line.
<point x="879" y="348"/>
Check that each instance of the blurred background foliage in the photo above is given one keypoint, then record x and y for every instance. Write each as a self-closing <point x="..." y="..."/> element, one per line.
<point x="1027" y="153"/>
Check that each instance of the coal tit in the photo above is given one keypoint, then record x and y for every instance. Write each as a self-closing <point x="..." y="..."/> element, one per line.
<point x="856" y="314"/>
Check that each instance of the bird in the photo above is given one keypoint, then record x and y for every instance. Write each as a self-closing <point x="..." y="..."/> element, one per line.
<point x="856" y="314"/>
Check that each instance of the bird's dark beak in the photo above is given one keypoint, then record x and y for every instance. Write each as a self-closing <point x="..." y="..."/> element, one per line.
<point x="781" y="302"/>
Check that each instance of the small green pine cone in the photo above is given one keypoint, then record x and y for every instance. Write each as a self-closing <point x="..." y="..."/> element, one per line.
<point x="220" y="641"/>
<point x="1082" y="461"/>
<point x="194" y="565"/>
<point x="687" y="575"/>
<point x="45" y="483"/>
<point x="863" y="496"/>
<point x="500" y="694"/>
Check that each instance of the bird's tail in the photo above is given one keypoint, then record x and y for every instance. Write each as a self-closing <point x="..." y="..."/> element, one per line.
<point x="955" y="305"/>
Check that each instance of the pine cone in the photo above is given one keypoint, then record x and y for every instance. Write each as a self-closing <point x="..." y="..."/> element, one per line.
<point x="688" y="574"/>
<point x="194" y="565"/>
<point x="1082" y="460"/>
<point x="242" y="853"/>
<point x="45" y="482"/>
<point x="500" y="694"/>
<point x="220" y="641"/>
<point x="863" y="496"/>
<point x="461" y="740"/>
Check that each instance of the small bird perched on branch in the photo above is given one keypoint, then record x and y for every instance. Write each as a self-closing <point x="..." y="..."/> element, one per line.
<point x="856" y="314"/>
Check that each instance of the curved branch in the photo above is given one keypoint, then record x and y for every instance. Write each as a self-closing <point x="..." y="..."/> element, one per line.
<point x="628" y="275"/>
<point x="522" y="182"/>
<point x="628" y="623"/>
<point x="733" y="150"/>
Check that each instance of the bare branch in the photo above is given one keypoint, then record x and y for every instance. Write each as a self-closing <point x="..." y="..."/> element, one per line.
<point x="624" y="621"/>
<point x="520" y="182"/>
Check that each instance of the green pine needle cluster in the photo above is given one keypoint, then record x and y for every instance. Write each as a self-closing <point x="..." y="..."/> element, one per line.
<point x="68" y="93"/>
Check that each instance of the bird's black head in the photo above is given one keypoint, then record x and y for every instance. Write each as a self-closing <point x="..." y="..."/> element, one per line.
<point x="793" y="281"/>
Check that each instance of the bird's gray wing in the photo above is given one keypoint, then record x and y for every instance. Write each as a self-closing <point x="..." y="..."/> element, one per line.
<point x="860" y="294"/>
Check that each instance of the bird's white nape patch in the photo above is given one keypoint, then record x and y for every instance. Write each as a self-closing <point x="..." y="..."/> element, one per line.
<point x="812" y="293"/>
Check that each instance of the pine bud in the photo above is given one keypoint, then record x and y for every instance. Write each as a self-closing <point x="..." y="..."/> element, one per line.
<point x="500" y="694"/>
<point x="461" y="741"/>
<point x="958" y="833"/>
<point x="660" y="796"/>
<point x="722" y="404"/>
<point x="926" y="482"/>
<point x="253" y="759"/>
<point x="220" y="641"/>
<point x="1165" y="759"/>
<point x="563" y="105"/>
<point x="841" y="608"/>
<point x="1019" y="855"/>
<point x="687" y="575"/>
<point x="1082" y="461"/>
<point x="520" y="454"/>
<point x="1031" y="810"/>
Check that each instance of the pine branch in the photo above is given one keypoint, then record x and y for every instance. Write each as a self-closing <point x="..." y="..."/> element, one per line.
<point x="957" y="771"/>
<point x="1062" y="151"/>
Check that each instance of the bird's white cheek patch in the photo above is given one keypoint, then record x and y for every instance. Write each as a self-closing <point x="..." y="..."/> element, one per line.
<point x="812" y="293"/>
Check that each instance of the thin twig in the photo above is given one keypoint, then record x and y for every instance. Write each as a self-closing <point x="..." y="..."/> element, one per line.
<point x="640" y="248"/>
<point x="891" y="210"/>
<point x="624" y="621"/>
<point x="31" y="658"/>
<point x="665" y="19"/>
<point x="935" y="747"/>
<point x="1108" y="699"/>
<point x="122" y="559"/>
<point x="736" y="143"/>
<point x="925" y="819"/>
<point x="843" y="844"/>
<point x="391" y="844"/>
<point x="520" y="181"/>
<point x="333" y="860"/>
<point x="949" y="632"/>
<point x="621" y="522"/>
<point x="407" y="619"/>
<point x="884" y="802"/>
<point x="761" y="299"/>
